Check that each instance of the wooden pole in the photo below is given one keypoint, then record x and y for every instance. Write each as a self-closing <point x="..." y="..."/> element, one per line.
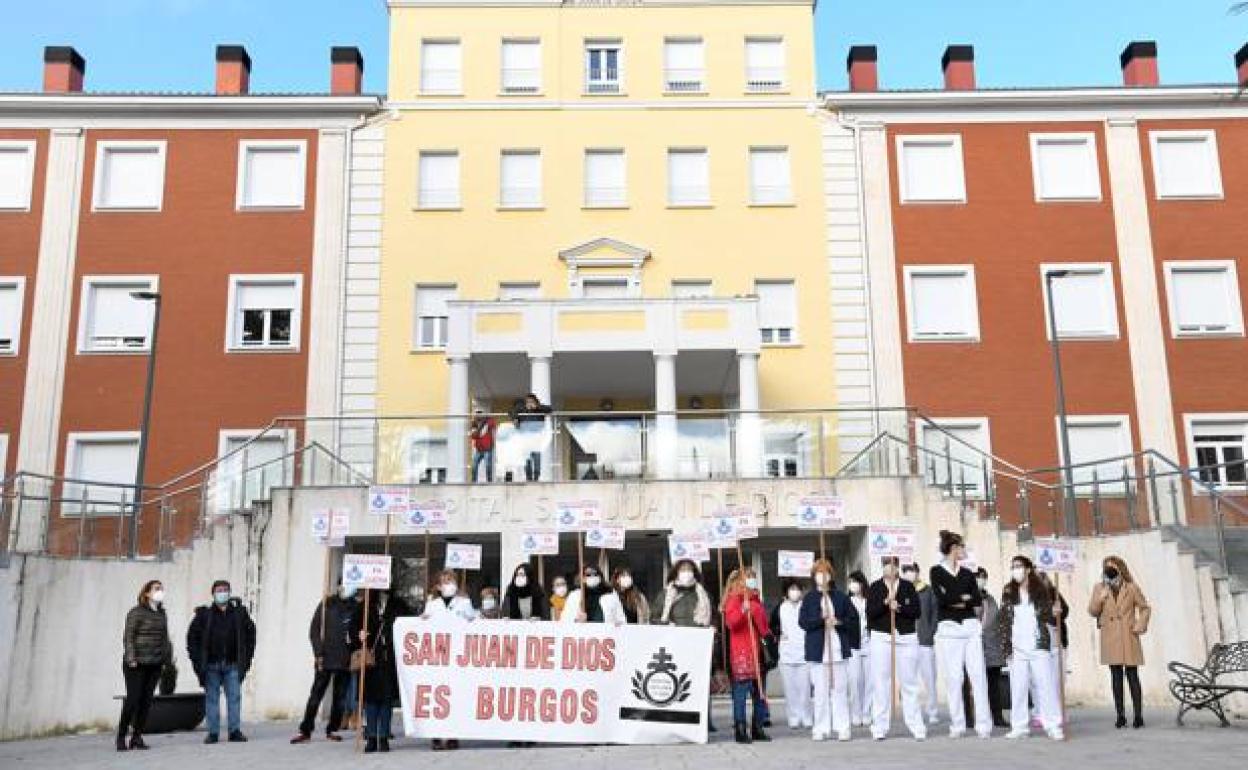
<point x="428" y="585"/>
<point x="1061" y="663"/>
<point x="892" y="650"/>
<point x="828" y="630"/>
<point x="723" y="629"/>
<point x="541" y="571"/>
<point x="749" y="624"/>
<point x="324" y="593"/>
<point x="359" y="707"/>
<point x="822" y="554"/>
<point x="580" y="570"/>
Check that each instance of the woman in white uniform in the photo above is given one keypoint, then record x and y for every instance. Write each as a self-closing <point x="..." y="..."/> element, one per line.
<point x="1026" y="621"/>
<point x="784" y="620"/>
<point x="860" y="659"/>
<point x="446" y="599"/>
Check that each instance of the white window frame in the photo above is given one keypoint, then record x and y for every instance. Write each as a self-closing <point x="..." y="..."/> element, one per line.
<point x="523" y="90"/>
<point x="622" y="202"/>
<point x="86" y="303"/>
<point x="228" y="482"/>
<point x="18" y="284"/>
<point x="421" y="204"/>
<point x="1236" y="328"/>
<point x="240" y="193"/>
<point x="968" y="273"/>
<point x="438" y="474"/>
<point x="30" y="148"/>
<point x="1088" y="139"/>
<point x="539" y="201"/>
<point x="704" y="200"/>
<point x="71" y="505"/>
<point x="1190" y="421"/>
<point x="1082" y="476"/>
<point x="701" y="283"/>
<point x="416" y="317"/>
<point x="1110" y="294"/>
<point x="975" y="477"/>
<point x="695" y="82"/>
<point x="102" y="148"/>
<point x="425" y="90"/>
<point x="503" y="286"/>
<point x="604" y="87"/>
<point x="766" y="85"/>
<point x="958" y="194"/>
<point x="613" y="280"/>
<point x="1211" y="147"/>
<point x="233" y="334"/>
<point x="781" y="200"/>
<point x="794" y="339"/>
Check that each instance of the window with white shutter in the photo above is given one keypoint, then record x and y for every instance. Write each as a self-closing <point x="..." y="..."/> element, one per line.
<point x="604" y="287"/>
<point x="605" y="179"/>
<point x="112" y="321"/>
<point x="777" y="312"/>
<point x="265" y="312"/>
<point x="688" y="177"/>
<point x="684" y="65"/>
<point x="441" y="67"/>
<point x="954" y="454"/>
<point x="271" y="174"/>
<point x="1217" y="446"/>
<point x="1093" y="440"/>
<point x="432" y="314"/>
<point x="522" y="66"/>
<point x="1185" y="164"/>
<point x="438" y="184"/>
<point x="764" y="64"/>
<point x="249" y="466"/>
<point x="770" y="176"/>
<point x="1064" y="167"/>
<point x="130" y="175"/>
<point x="930" y="169"/>
<point x="17" y="173"/>
<point x="520" y="179"/>
<point x="941" y="303"/>
<point x="1204" y="298"/>
<point x="103" y="466"/>
<point x="1083" y="301"/>
<point x="12" y="290"/>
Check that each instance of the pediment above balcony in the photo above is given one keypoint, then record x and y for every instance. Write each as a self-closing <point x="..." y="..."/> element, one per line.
<point x="604" y="252"/>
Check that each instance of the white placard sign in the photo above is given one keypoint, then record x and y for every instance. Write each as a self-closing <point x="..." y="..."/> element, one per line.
<point x="431" y="515"/>
<point x="575" y="683"/>
<point x="892" y="540"/>
<point x="688" y="546"/>
<point x="795" y="563"/>
<point x="721" y="532"/>
<point x="463" y="556"/>
<point x="366" y="571"/>
<point x="611" y="538"/>
<point x="331" y="527"/>
<point x="387" y="501"/>
<point x="820" y="512"/>
<point x="540" y="542"/>
<point x="577" y="515"/>
<point x="1053" y="555"/>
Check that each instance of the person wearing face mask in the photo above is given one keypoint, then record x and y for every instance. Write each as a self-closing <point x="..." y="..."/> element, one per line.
<point x="332" y="645"/>
<point x="892" y="612"/>
<point x="448" y="601"/>
<point x="994" y="652"/>
<point x="593" y="602"/>
<point x="489" y="604"/>
<point x="558" y="597"/>
<point x="686" y="603"/>
<point x="1122" y="614"/>
<point x="1025" y="621"/>
<point x="381" y="679"/>
<point x="794" y="671"/>
<point x="145" y="651"/>
<point x="926" y="629"/>
<point x="831" y="624"/>
<point x="746" y="620"/>
<point x="860" y="658"/>
<point x="525" y="598"/>
<point x="1060" y="634"/>
<point x="220" y="644"/>
<point x="632" y="602"/>
<point x="959" y="636"/>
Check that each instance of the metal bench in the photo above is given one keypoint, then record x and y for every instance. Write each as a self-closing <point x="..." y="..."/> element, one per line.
<point x="1200" y="688"/>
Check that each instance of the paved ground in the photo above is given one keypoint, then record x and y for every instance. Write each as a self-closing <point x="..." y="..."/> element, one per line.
<point x="1093" y="743"/>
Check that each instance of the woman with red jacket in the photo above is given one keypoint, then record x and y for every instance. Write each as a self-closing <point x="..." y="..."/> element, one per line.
<point x="746" y="619"/>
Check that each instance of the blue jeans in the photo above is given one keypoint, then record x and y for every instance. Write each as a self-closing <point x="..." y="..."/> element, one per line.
<point x="216" y="675"/>
<point x="377" y="714"/>
<point x="742" y="689"/>
<point x="351" y="697"/>
<point x="480" y="456"/>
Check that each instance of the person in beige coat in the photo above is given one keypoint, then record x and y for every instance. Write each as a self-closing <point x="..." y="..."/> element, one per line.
<point x="1122" y="614"/>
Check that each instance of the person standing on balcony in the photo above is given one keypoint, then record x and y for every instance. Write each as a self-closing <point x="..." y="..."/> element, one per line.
<point x="558" y="597"/>
<point x="1122" y="614"/>
<point x="632" y="601"/>
<point x="146" y="650"/>
<point x="892" y="612"/>
<point x="959" y="636"/>
<point x="1026" y="623"/>
<point x="531" y="422"/>
<point x="686" y="603"/>
<point x="220" y="644"/>
<point x="793" y="667"/>
<point x="926" y="629"/>
<point x="332" y="644"/>
<point x="859" y="659"/>
<point x="746" y="620"/>
<point x="483" y="431"/>
<point x="525" y="599"/>
<point x="994" y="652"/>
<point x="593" y="601"/>
<point x="831" y="625"/>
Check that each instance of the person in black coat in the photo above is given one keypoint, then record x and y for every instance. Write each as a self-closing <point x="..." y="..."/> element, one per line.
<point x="381" y="680"/>
<point x="530" y="419"/>
<point x="220" y="644"/>
<point x="332" y="645"/>
<point x="146" y="650"/>
<point x="829" y="673"/>
<point x="892" y="612"/>
<point x="525" y="599"/>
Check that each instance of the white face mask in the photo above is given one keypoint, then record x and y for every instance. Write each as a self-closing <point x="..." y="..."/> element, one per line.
<point x="855" y="588"/>
<point x="685" y="578"/>
<point x="751" y="583"/>
<point x="561" y="590"/>
<point x="1019" y="574"/>
<point x="626" y="582"/>
<point x="908" y="576"/>
<point x="157" y="596"/>
<point x="982" y="583"/>
<point x="795" y="594"/>
<point x="489" y="604"/>
<point x="522" y="580"/>
<point x="448" y="590"/>
<point x="593" y="581"/>
<point x="821" y="579"/>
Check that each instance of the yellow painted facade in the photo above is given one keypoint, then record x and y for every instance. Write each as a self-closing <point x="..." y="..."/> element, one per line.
<point x="476" y="245"/>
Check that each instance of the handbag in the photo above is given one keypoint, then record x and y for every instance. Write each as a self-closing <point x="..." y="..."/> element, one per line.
<point x="365" y="657"/>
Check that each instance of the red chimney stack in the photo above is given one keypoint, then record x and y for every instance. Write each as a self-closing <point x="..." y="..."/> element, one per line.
<point x="863" y="68"/>
<point x="233" y="70"/>
<point x="959" y="66"/>
<point x="63" y="69"/>
<point x="1139" y="65"/>
<point x="346" y="71"/>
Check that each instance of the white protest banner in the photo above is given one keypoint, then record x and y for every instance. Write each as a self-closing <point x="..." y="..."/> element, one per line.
<point x="611" y="538"/>
<point x="331" y="527"/>
<point x="688" y="546"/>
<point x="820" y="512"/>
<point x="577" y="515"/>
<point x="1053" y="555"/>
<point x="576" y="683"/>
<point x="387" y="501"/>
<point x="540" y="542"/>
<point x="431" y="515"/>
<point x="892" y="540"/>
<point x="463" y="556"/>
<point x="366" y="571"/>
<point x="796" y="563"/>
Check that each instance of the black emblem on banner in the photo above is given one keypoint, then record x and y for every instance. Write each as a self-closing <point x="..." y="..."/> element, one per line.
<point x="662" y="685"/>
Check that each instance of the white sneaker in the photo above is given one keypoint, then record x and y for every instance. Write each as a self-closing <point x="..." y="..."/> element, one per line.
<point x="1015" y="735"/>
<point x="877" y="736"/>
<point x="818" y="736"/>
<point x="921" y="737"/>
<point x="795" y="725"/>
<point x="985" y="736"/>
<point x="843" y="736"/>
<point x="933" y="719"/>
<point x="1057" y="734"/>
<point x="955" y="733"/>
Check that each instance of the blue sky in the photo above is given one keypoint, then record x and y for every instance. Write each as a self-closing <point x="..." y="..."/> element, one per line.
<point x="168" y="44"/>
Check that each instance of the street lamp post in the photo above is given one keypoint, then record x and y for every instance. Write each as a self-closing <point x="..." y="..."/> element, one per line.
<point x="137" y="504"/>
<point x="1069" y="511"/>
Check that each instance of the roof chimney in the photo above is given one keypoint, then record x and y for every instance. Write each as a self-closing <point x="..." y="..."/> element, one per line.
<point x="1241" y="66"/>
<point x="1139" y="64"/>
<point x="863" y="71"/>
<point x="959" y="66"/>
<point x="346" y="71"/>
<point x="233" y="70"/>
<point x="63" y="69"/>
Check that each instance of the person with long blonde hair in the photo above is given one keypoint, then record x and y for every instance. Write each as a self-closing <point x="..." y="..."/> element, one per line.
<point x="746" y="619"/>
<point x="1122" y="614"/>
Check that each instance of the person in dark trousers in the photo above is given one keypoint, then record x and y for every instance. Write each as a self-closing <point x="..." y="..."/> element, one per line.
<point x="220" y="644"/>
<point x="483" y="433"/>
<point x="926" y="629"/>
<point x="381" y="680"/>
<point x="1122" y="615"/>
<point x="994" y="652"/>
<point x="531" y="421"/>
<point x="146" y="650"/>
<point x="332" y="644"/>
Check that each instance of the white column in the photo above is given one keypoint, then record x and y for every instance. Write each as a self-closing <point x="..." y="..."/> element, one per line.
<point x="665" y="435"/>
<point x="457" y="427"/>
<point x="749" y="423"/>
<point x="539" y="385"/>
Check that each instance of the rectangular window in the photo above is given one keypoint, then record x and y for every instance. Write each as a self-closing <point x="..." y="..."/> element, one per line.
<point x="1204" y="299"/>
<point x="427" y="461"/>
<point x="605" y="287"/>
<point x="1064" y="167"/>
<point x="684" y="65"/>
<point x="1217" y="449"/>
<point x="519" y="290"/>
<point x="264" y="312"/>
<point x="522" y="66"/>
<point x="604" y="72"/>
<point x="432" y="314"/>
<point x="103" y="466"/>
<point x="12" y="291"/>
<point x="1096" y="439"/>
<point x="942" y="304"/>
<point x="17" y="173"/>
<point x="955" y="453"/>
<point x="692" y="289"/>
<point x="441" y="64"/>
<point x="764" y="64"/>
<point x="688" y="177"/>
<point x="1083" y="300"/>
<point x="606" y="182"/>
<point x="785" y="451"/>
<point x="271" y="174"/>
<point x="930" y="169"/>
<point x="110" y="320"/>
<point x="439" y="180"/>
<point x="1185" y="164"/>
<point x="770" y="176"/>
<point x="777" y="312"/>
<point x="520" y="179"/>
<point x="130" y="175"/>
<point x="250" y="467"/>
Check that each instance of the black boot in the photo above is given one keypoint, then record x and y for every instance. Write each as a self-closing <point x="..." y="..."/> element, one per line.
<point x="757" y="734"/>
<point x="1139" y="721"/>
<point x="370" y="745"/>
<point x="383" y="745"/>
<point x="121" y="743"/>
<point x="740" y="734"/>
<point x="136" y="743"/>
